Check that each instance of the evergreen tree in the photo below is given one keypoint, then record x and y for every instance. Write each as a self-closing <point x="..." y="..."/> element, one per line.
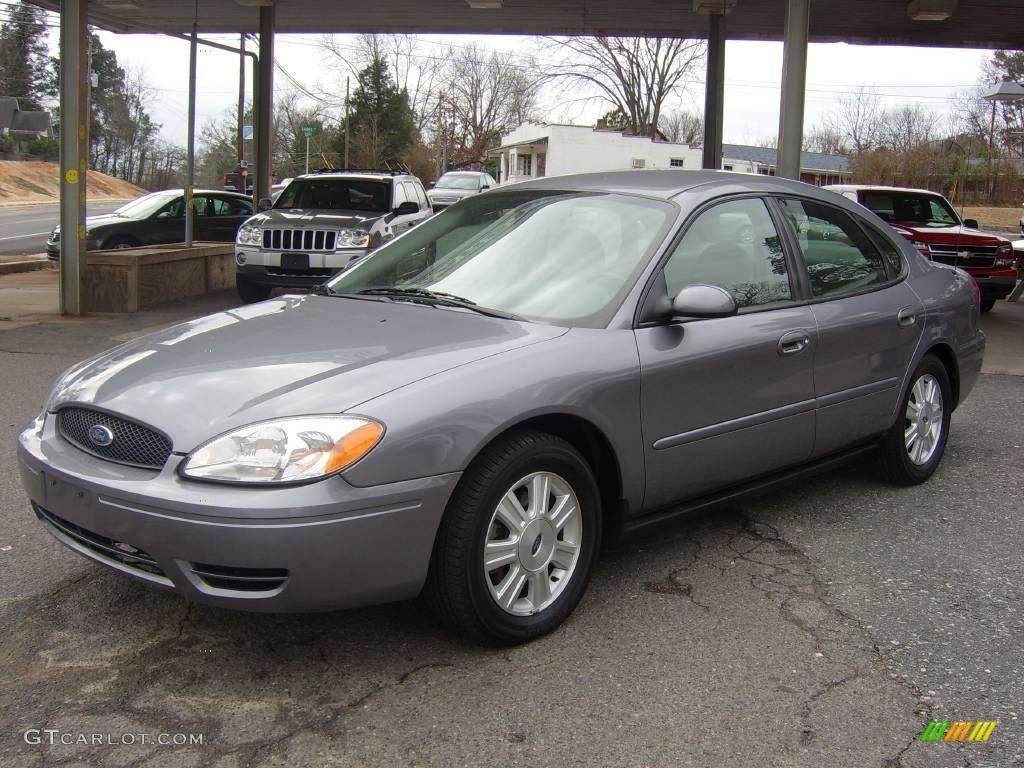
<point x="380" y="119"/>
<point x="23" y="56"/>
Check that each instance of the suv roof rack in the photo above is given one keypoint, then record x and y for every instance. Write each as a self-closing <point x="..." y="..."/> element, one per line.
<point x="376" y="171"/>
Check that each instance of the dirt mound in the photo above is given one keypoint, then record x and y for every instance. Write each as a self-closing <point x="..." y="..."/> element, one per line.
<point x="33" y="182"/>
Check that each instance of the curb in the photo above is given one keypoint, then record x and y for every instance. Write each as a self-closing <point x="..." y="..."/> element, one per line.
<point x="28" y="265"/>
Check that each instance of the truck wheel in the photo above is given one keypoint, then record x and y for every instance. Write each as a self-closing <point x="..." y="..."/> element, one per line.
<point x="518" y="540"/>
<point x="251" y="292"/>
<point x="912" y="449"/>
<point x="987" y="304"/>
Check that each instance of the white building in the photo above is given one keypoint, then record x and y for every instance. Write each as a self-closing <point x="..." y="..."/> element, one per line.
<point x="532" y="151"/>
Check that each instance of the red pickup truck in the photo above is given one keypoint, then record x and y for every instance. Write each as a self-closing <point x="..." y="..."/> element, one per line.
<point x="929" y="221"/>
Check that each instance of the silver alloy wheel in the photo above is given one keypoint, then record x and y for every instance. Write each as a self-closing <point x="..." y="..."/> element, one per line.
<point x="923" y="419"/>
<point x="533" y="543"/>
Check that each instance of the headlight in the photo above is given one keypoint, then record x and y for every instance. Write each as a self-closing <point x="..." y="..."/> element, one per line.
<point x="285" y="451"/>
<point x="353" y="238"/>
<point x="249" y="235"/>
<point x="1004" y="262"/>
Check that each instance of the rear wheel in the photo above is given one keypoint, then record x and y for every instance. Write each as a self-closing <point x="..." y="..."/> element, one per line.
<point x="913" y="448"/>
<point x="517" y="542"/>
<point x="251" y="292"/>
<point x="987" y="304"/>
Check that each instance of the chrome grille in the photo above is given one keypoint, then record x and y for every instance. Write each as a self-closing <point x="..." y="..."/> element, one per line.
<point x="299" y="239"/>
<point x="979" y="256"/>
<point x="133" y="443"/>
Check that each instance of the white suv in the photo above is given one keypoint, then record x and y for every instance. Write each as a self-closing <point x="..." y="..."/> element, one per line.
<point x="320" y="223"/>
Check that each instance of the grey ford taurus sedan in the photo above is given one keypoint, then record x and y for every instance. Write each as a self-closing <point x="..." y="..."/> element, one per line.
<point x="469" y="411"/>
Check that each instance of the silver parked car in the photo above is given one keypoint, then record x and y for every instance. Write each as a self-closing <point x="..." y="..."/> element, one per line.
<point x="458" y="185"/>
<point x="469" y="411"/>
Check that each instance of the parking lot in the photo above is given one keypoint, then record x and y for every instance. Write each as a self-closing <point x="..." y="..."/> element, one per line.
<point x="821" y="625"/>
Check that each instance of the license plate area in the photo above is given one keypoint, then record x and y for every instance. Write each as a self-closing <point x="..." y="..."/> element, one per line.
<point x="295" y="261"/>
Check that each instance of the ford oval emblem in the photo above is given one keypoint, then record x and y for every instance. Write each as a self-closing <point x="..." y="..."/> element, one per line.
<point x="100" y="435"/>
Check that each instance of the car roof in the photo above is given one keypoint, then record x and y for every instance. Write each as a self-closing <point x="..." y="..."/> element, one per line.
<point x="198" y="192"/>
<point x="876" y="188"/>
<point x="464" y="173"/>
<point x="382" y="176"/>
<point x="668" y="184"/>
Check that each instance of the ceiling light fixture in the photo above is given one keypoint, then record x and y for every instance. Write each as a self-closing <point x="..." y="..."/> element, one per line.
<point x="484" y="5"/>
<point x="931" y="10"/>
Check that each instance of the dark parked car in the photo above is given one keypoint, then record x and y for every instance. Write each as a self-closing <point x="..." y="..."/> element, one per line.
<point x="467" y="412"/>
<point x="159" y="217"/>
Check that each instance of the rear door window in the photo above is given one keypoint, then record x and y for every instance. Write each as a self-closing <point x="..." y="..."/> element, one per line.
<point x="840" y="258"/>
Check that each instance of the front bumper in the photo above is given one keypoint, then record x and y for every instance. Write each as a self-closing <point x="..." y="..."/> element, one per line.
<point x="321" y="546"/>
<point x="997" y="285"/>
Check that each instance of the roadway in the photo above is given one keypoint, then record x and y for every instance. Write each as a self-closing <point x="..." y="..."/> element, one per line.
<point x="24" y="229"/>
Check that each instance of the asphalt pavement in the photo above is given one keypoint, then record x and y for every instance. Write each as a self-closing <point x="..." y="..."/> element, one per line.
<point x="821" y="625"/>
<point x="24" y="229"/>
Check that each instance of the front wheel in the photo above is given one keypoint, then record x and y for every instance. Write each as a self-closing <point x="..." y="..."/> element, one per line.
<point x="913" y="448"/>
<point x="517" y="542"/>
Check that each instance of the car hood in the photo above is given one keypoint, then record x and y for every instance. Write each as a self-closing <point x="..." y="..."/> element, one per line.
<point x="312" y="217"/>
<point x="290" y="356"/>
<point x="949" y="235"/>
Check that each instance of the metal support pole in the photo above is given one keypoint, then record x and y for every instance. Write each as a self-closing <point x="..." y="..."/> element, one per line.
<point x="714" y="93"/>
<point x="265" y="104"/>
<point x="307" y="155"/>
<point x="346" y="122"/>
<point x="794" y="85"/>
<point x="241" y="101"/>
<point x="74" y="151"/>
<point x="190" y="160"/>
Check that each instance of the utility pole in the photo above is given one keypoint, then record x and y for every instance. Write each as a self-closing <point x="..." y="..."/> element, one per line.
<point x="346" y="121"/>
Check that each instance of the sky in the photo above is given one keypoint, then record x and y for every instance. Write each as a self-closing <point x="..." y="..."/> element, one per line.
<point x="926" y="76"/>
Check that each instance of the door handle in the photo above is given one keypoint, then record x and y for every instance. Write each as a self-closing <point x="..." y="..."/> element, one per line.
<point x="906" y="317"/>
<point x="793" y="343"/>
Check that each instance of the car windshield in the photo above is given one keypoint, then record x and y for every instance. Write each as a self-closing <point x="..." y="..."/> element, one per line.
<point x="912" y="208"/>
<point x="458" y="181"/>
<point x="146" y="206"/>
<point x="336" y="195"/>
<point x="566" y="258"/>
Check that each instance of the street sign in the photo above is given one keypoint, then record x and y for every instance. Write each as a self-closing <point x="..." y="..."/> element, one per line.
<point x="308" y="130"/>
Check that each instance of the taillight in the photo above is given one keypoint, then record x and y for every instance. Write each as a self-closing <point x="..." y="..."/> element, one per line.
<point x="977" y="291"/>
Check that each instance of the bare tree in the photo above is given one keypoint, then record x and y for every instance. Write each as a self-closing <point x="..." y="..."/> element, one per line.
<point x="826" y="138"/>
<point x="485" y="94"/>
<point x="634" y="74"/>
<point x="901" y="129"/>
<point x="857" y="118"/>
<point x="682" y="126"/>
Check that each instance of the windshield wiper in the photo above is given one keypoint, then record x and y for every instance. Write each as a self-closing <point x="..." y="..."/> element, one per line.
<point x="440" y="298"/>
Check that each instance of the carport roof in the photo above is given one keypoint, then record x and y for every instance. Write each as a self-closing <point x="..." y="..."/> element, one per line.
<point x="974" y="24"/>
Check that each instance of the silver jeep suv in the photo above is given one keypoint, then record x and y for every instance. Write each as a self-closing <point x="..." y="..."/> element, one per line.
<point x="322" y="222"/>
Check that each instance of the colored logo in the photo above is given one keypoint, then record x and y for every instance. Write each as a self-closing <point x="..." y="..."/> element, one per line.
<point x="959" y="730"/>
<point x="100" y="435"/>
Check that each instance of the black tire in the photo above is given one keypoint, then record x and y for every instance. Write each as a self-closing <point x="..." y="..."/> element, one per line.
<point x="987" y="304"/>
<point x="456" y="591"/>
<point x="120" y="241"/>
<point x="250" y="292"/>
<point x="894" y="461"/>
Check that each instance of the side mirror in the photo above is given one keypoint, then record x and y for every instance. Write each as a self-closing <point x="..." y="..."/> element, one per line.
<point x="703" y="301"/>
<point x="265" y="204"/>
<point x="430" y="185"/>
<point x="407" y="208"/>
<point x="971" y="223"/>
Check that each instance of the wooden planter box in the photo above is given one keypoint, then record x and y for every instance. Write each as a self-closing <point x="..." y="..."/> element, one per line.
<point x="138" y="278"/>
